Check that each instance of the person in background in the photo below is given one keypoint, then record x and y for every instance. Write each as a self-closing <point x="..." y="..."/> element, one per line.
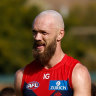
<point x="8" y="91"/>
<point x="53" y="72"/>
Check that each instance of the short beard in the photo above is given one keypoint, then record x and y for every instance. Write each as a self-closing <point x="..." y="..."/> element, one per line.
<point x="47" y="54"/>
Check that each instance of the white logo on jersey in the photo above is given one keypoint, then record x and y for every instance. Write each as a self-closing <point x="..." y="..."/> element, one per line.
<point x="32" y="85"/>
<point x="46" y="76"/>
<point x="58" y="83"/>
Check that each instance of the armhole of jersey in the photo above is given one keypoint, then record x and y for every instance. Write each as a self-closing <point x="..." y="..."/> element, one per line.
<point x="27" y="67"/>
<point x="70" y="74"/>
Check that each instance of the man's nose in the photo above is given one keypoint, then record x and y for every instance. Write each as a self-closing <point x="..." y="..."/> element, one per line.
<point x="38" y="36"/>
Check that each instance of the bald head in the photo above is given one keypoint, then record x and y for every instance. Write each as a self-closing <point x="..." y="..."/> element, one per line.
<point x="53" y="16"/>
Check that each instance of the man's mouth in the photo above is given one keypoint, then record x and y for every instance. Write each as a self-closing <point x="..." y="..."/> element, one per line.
<point x="39" y="45"/>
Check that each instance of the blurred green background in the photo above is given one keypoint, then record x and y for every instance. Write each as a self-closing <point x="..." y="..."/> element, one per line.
<point x="16" y="18"/>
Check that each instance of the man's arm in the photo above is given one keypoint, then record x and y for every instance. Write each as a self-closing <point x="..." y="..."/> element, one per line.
<point x="81" y="81"/>
<point x="18" y="81"/>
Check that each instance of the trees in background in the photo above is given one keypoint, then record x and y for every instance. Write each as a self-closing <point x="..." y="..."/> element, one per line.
<point x="15" y="34"/>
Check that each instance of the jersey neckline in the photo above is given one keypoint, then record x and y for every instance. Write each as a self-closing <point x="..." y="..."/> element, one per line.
<point x="57" y="65"/>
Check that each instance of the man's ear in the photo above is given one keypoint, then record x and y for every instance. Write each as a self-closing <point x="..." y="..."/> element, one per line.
<point x="60" y="35"/>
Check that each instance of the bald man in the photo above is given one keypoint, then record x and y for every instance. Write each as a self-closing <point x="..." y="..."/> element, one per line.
<point x="52" y="73"/>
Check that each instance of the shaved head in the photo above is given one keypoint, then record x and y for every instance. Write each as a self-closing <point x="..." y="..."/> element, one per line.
<point x="53" y="16"/>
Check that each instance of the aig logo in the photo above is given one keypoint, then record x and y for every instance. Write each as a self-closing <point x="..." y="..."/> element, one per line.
<point x="46" y="76"/>
<point x="32" y="85"/>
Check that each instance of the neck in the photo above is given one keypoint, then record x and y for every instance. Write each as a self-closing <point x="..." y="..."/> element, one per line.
<point x="56" y="58"/>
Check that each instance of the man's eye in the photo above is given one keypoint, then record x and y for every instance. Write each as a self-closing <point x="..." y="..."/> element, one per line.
<point x="34" y="32"/>
<point x="44" y="33"/>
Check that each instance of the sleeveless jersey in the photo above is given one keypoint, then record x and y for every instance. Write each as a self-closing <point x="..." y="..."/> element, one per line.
<point x="56" y="81"/>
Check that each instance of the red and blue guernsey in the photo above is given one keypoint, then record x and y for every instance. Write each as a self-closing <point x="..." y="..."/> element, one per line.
<point x="56" y="81"/>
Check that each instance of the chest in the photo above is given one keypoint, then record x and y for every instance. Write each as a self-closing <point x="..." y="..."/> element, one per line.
<point x="47" y="83"/>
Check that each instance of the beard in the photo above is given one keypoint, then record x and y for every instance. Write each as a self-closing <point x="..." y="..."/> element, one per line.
<point x="49" y="51"/>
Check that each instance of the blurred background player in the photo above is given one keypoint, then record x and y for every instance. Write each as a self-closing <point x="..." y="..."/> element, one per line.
<point x="8" y="91"/>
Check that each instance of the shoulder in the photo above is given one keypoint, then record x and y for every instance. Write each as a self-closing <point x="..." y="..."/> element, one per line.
<point x="81" y="78"/>
<point x="18" y="76"/>
<point x="80" y="71"/>
<point x="19" y="73"/>
<point x="18" y="81"/>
